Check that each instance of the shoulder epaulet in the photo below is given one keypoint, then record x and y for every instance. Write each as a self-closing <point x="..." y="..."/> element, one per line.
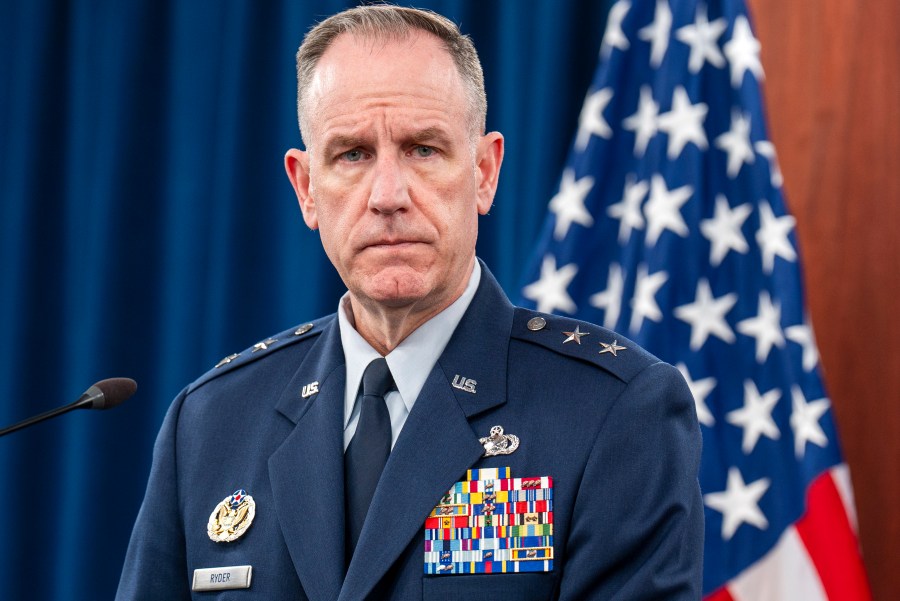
<point x="263" y="348"/>
<point x="582" y="340"/>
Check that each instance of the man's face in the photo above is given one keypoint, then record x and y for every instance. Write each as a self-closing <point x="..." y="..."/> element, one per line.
<point x="393" y="177"/>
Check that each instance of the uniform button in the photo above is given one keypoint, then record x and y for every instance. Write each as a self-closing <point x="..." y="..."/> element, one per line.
<point x="536" y="324"/>
<point x="303" y="329"/>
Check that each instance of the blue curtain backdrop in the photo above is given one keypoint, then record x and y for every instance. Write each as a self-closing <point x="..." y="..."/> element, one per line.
<point x="147" y="228"/>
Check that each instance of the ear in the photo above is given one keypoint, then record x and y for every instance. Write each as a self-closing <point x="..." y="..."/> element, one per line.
<point x="488" y="157"/>
<point x="296" y="163"/>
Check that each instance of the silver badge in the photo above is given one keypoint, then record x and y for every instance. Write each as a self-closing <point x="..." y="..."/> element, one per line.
<point x="499" y="443"/>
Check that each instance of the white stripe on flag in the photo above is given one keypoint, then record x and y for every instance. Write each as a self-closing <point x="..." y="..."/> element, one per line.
<point x="840" y="474"/>
<point x="785" y="572"/>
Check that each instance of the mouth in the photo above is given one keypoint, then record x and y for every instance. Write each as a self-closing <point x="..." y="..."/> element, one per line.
<point x="392" y="244"/>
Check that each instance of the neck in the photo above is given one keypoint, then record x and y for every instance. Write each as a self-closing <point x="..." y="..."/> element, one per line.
<point x="385" y="327"/>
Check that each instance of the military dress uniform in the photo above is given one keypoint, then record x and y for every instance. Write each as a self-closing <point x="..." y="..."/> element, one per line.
<point x="545" y="458"/>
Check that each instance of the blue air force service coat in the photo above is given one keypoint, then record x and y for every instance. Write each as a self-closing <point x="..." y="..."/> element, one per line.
<point x="600" y="499"/>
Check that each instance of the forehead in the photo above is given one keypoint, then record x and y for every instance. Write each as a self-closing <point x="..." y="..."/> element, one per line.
<point x="360" y="74"/>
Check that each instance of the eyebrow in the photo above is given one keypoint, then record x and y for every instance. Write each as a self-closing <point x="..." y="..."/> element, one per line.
<point x="430" y="134"/>
<point x="342" y="142"/>
<point x="426" y="136"/>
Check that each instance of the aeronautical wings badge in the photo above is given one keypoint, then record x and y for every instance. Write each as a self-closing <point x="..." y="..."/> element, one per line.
<point x="231" y="518"/>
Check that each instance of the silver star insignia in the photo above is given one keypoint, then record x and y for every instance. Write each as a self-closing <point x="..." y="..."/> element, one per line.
<point x="227" y="360"/>
<point x="612" y="348"/>
<point x="264" y="345"/>
<point x="575" y="336"/>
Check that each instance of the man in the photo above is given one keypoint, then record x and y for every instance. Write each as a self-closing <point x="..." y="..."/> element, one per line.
<point x="492" y="453"/>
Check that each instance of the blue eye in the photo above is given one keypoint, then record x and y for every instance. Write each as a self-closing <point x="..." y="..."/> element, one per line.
<point x="424" y="151"/>
<point x="353" y="156"/>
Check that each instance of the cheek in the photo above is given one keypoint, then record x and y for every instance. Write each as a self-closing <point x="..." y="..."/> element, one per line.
<point x="334" y="230"/>
<point x="457" y="222"/>
<point x="333" y="227"/>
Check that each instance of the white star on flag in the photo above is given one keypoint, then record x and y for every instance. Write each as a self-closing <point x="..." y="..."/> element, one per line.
<point x="644" y="302"/>
<point x="706" y="315"/>
<point x="611" y="298"/>
<point x="568" y="204"/>
<point x="683" y="123"/>
<point x="591" y="121"/>
<point x="663" y="210"/>
<point x="549" y="292"/>
<point x="643" y="122"/>
<point x="614" y="36"/>
<point x="767" y="150"/>
<point x="657" y="33"/>
<point x="802" y="334"/>
<point x="772" y="237"/>
<point x="628" y="210"/>
<point x="739" y="503"/>
<point x="805" y="421"/>
<point x="702" y="37"/>
<point x="765" y="327"/>
<point x="755" y="417"/>
<point x="724" y="229"/>
<point x="742" y="51"/>
<point x="736" y="142"/>
<point x="700" y="389"/>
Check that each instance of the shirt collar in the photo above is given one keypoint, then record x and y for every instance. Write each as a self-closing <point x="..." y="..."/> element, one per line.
<point x="413" y="359"/>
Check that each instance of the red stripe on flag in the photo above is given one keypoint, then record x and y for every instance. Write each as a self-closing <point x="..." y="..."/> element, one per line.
<point x="831" y="543"/>
<point x="720" y="595"/>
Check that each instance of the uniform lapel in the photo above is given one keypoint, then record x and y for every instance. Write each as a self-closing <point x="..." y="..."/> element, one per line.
<point x="437" y="445"/>
<point x="307" y="469"/>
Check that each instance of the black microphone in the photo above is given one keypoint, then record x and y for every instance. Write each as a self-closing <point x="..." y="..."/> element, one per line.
<point x="105" y="394"/>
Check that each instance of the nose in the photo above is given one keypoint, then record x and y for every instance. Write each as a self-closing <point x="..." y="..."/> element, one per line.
<point x="389" y="186"/>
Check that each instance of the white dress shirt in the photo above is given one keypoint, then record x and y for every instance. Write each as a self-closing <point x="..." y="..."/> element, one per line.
<point x="410" y="363"/>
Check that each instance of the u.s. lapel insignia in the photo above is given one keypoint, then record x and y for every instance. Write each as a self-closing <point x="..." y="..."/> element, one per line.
<point x="310" y="389"/>
<point x="466" y="384"/>
<point x="231" y="518"/>
<point x="491" y="523"/>
<point x="499" y="443"/>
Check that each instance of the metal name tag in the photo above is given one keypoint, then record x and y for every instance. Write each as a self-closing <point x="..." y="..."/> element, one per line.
<point x="218" y="579"/>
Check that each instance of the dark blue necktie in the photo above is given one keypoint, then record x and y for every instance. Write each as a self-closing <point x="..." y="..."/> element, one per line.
<point x="368" y="450"/>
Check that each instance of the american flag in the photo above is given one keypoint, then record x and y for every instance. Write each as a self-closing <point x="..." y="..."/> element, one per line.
<point x="670" y="226"/>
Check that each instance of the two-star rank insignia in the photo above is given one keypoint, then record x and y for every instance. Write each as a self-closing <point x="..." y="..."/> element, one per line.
<point x="490" y="524"/>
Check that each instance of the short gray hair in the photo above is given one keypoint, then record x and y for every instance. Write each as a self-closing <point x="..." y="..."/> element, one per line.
<point x="384" y="21"/>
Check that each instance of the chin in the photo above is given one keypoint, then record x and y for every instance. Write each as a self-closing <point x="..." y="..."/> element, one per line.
<point x="396" y="286"/>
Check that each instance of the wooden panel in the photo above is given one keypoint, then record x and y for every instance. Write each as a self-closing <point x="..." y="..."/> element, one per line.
<point x="833" y="93"/>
